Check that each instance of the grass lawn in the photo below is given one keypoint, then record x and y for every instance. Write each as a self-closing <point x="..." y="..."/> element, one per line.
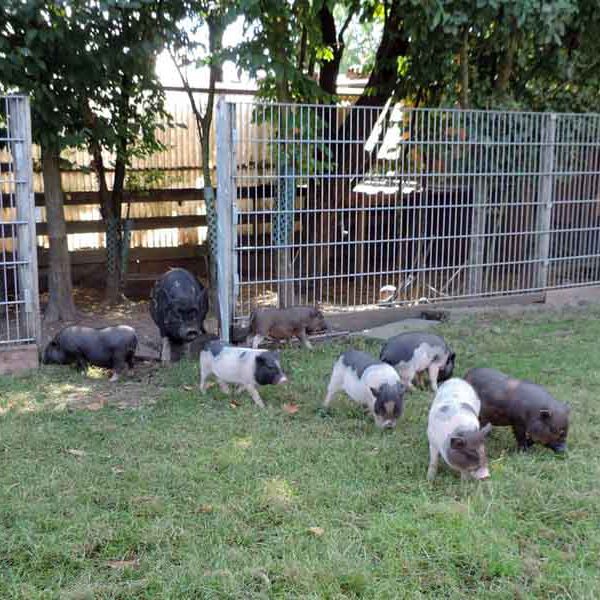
<point x="197" y="497"/>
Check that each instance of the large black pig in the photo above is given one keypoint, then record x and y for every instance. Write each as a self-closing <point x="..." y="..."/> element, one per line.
<point x="178" y="305"/>
<point x="533" y="413"/>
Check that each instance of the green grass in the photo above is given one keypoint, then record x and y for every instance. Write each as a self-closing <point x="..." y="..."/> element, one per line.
<point x="200" y="498"/>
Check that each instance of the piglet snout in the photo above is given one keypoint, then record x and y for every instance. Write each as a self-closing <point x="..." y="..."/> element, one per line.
<point x="559" y="448"/>
<point x="283" y="379"/>
<point x="482" y="473"/>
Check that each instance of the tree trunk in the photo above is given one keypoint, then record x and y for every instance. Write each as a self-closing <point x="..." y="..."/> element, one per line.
<point x="114" y="233"/>
<point x="464" y="70"/>
<point x="380" y="87"/>
<point x="329" y="69"/>
<point x="110" y="216"/>
<point x="505" y="70"/>
<point x="61" y="306"/>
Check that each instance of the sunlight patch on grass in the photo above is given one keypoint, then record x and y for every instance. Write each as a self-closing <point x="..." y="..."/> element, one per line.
<point x="278" y="492"/>
<point x="243" y="443"/>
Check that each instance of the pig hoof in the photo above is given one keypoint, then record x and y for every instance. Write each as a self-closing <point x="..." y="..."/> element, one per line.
<point x="115" y="377"/>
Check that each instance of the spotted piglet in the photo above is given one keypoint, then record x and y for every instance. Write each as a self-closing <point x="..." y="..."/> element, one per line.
<point x="415" y="352"/>
<point x="370" y="383"/>
<point x="454" y="431"/>
<point x="244" y="367"/>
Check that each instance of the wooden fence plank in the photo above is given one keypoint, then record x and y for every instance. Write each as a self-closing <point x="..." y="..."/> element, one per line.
<point x="177" y="222"/>
<point x="254" y="192"/>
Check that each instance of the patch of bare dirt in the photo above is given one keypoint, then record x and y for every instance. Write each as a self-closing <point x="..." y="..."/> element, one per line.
<point x="136" y="389"/>
<point x="95" y="312"/>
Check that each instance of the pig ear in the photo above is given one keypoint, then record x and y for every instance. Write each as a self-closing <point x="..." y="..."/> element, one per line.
<point x="545" y="413"/>
<point x="487" y="429"/>
<point x="374" y="391"/>
<point x="457" y="442"/>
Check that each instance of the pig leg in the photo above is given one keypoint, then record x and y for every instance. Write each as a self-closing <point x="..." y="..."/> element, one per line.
<point x="257" y="340"/>
<point x="304" y="339"/>
<point x="119" y="366"/>
<point x="205" y="370"/>
<point x="433" y="370"/>
<point x="434" y="457"/>
<point x="420" y="380"/>
<point x="81" y="364"/>
<point x="255" y="395"/>
<point x="335" y="385"/>
<point x="523" y="443"/>
<point x="165" y="353"/>
<point x="407" y="376"/>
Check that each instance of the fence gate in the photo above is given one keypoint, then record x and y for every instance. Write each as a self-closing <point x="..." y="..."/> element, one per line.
<point x="19" y="301"/>
<point x="358" y="207"/>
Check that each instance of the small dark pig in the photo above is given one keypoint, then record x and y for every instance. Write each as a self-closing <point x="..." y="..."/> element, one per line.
<point x="371" y="383"/>
<point x="454" y="432"/>
<point x="178" y="306"/>
<point x="110" y="348"/>
<point x="414" y="352"/>
<point x="532" y="412"/>
<point x="286" y="323"/>
<point x="244" y="367"/>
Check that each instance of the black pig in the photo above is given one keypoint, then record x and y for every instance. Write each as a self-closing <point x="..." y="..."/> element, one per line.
<point x="178" y="306"/>
<point x="532" y="412"/>
<point x="110" y="348"/>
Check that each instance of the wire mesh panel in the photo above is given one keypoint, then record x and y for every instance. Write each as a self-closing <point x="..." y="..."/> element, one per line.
<point x="19" y="312"/>
<point x="354" y="207"/>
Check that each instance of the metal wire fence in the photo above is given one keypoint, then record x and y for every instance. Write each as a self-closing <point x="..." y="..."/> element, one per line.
<point x="19" y="303"/>
<point x="360" y="207"/>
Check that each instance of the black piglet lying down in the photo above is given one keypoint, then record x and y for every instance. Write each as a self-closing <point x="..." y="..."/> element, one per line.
<point x="109" y="348"/>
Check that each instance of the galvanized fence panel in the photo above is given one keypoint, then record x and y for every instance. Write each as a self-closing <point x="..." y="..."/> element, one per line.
<point x="19" y="302"/>
<point x="361" y="207"/>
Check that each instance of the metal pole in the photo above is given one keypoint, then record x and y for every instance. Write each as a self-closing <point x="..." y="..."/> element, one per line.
<point x="545" y="201"/>
<point x="226" y="214"/>
<point x="20" y="128"/>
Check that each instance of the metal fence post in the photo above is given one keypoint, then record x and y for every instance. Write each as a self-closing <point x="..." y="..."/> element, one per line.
<point x="477" y="244"/>
<point x="226" y="214"/>
<point x="545" y="201"/>
<point x="20" y="128"/>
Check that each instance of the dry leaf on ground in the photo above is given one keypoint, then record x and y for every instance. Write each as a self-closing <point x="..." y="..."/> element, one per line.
<point x="123" y="564"/>
<point x="316" y="531"/>
<point x="76" y="452"/>
<point x="290" y="408"/>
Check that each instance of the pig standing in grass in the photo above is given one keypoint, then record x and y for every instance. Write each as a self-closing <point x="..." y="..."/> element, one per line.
<point x="286" y="323"/>
<point x="110" y="348"/>
<point x="454" y="432"/>
<point x="414" y="352"/>
<point x="178" y="306"/>
<point x="244" y="367"/>
<point x="532" y="412"/>
<point x="370" y="383"/>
